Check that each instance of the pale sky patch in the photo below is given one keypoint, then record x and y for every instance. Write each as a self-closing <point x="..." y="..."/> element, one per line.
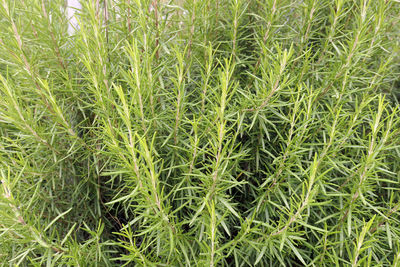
<point x="73" y="6"/>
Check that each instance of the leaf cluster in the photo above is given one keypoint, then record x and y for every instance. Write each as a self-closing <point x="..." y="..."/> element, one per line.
<point x="200" y="133"/>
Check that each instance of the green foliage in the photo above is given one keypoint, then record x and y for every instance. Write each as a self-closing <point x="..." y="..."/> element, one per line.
<point x="200" y="133"/>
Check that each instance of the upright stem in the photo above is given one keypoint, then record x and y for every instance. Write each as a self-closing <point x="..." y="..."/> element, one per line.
<point x="155" y="7"/>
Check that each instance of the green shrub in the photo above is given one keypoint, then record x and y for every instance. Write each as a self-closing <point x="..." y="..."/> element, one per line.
<point x="200" y="133"/>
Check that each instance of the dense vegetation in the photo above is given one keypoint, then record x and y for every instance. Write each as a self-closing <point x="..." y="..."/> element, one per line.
<point x="200" y="133"/>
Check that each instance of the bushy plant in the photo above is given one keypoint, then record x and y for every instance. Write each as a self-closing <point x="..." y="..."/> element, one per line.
<point x="200" y="133"/>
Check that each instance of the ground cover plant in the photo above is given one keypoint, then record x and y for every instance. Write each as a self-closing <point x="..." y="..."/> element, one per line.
<point x="200" y="133"/>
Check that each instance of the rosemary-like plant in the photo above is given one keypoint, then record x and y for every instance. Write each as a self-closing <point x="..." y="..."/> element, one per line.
<point x="200" y="133"/>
